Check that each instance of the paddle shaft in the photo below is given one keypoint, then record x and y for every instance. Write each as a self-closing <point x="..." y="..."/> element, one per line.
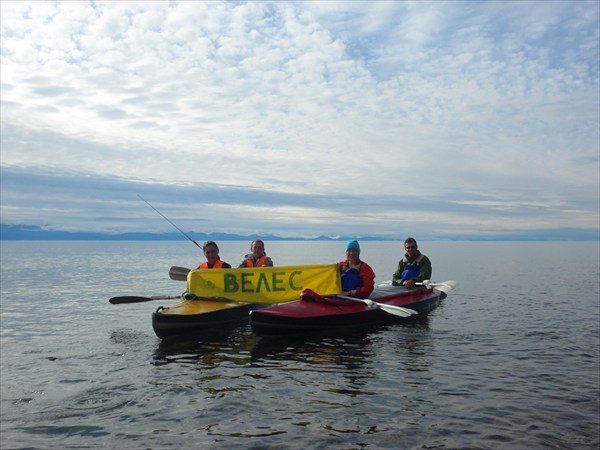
<point x="390" y="309"/>
<point x="187" y="296"/>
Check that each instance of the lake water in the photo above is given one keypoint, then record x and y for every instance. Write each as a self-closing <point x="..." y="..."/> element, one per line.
<point x="510" y="360"/>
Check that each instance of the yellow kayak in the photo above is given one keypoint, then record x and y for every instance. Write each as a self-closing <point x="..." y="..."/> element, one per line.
<point x="194" y="316"/>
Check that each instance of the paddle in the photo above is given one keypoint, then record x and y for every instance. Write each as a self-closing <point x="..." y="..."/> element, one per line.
<point x="178" y="273"/>
<point x="138" y="299"/>
<point x="186" y="296"/>
<point x="445" y="286"/>
<point x="391" y="309"/>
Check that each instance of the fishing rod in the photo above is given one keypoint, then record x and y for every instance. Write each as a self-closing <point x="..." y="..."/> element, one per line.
<point x="179" y="229"/>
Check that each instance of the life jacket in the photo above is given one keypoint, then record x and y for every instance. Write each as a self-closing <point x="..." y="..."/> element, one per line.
<point x="261" y="262"/>
<point x="218" y="265"/>
<point x="413" y="270"/>
<point x="351" y="279"/>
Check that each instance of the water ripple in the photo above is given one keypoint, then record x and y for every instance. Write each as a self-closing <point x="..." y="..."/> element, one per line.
<point x="508" y="362"/>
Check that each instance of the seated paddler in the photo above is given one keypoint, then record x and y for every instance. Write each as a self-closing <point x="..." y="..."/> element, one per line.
<point x="413" y="268"/>
<point x="358" y="279"/>
<point x="213" y="260"/>
<point x="257" y="256"/>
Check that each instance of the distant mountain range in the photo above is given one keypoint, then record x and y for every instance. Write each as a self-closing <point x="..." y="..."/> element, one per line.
<point x="35" y="233"/>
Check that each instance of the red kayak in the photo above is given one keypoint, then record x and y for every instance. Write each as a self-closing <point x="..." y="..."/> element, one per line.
<point x="387" y="304"/>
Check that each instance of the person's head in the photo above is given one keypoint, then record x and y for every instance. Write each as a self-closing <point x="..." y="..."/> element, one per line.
<point x="410" y="245"/>
<point x="211" y="251"/>
<point x="352" y="250"/>
<point x="257" y="247"/>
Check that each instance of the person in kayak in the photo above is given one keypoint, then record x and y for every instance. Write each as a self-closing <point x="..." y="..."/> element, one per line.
<point x="213" y="261"/>
<point x="358" y="279"/>
<point x="258" y="257"/>
<point x="413" y="268"/>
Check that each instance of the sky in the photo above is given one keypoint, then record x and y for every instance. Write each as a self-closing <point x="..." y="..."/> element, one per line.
<point x="439" y="120"/>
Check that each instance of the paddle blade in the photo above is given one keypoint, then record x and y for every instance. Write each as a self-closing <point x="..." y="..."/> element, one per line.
<point x="397" y="310"/>
<point x="138" y="299"/>
<point x="445" y="286"/>
<point x="178" y="273"/>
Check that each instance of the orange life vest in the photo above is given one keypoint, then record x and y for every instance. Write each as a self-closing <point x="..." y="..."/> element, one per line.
<point x="260" y="263"/>
<point x="218" y="265"/>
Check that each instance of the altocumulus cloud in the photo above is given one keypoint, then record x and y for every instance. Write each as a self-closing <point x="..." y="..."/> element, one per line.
<point x="446" y="120"/>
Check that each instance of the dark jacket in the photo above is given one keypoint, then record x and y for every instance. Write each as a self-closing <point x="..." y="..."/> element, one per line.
<point x="420" y="262"/>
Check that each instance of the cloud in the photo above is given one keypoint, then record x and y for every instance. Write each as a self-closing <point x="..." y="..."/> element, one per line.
<point x="88" y="202"/>
<point x="304" y="117"/>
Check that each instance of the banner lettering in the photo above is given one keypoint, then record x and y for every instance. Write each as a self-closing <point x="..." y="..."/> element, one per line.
<point x="265" y="284"/>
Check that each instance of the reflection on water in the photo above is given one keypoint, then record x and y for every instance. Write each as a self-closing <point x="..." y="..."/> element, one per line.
<point x="325" y="350"/>
<point x="316" y="368"/>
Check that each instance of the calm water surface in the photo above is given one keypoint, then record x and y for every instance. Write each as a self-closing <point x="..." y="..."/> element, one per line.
<point x="509" y="361"/>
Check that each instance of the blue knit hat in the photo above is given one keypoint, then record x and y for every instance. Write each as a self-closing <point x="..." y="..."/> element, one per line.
<point x="353" y="244"/>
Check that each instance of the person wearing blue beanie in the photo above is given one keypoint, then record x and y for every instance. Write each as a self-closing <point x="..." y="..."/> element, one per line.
<point x="353" y="244"/>
<point x="358" y="279"/>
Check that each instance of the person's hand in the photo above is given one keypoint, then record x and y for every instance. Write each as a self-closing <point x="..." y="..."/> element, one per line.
<point x="409" y="283"/>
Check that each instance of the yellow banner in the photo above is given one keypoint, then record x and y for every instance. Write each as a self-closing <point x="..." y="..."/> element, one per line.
<point x="265" y="284"/>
